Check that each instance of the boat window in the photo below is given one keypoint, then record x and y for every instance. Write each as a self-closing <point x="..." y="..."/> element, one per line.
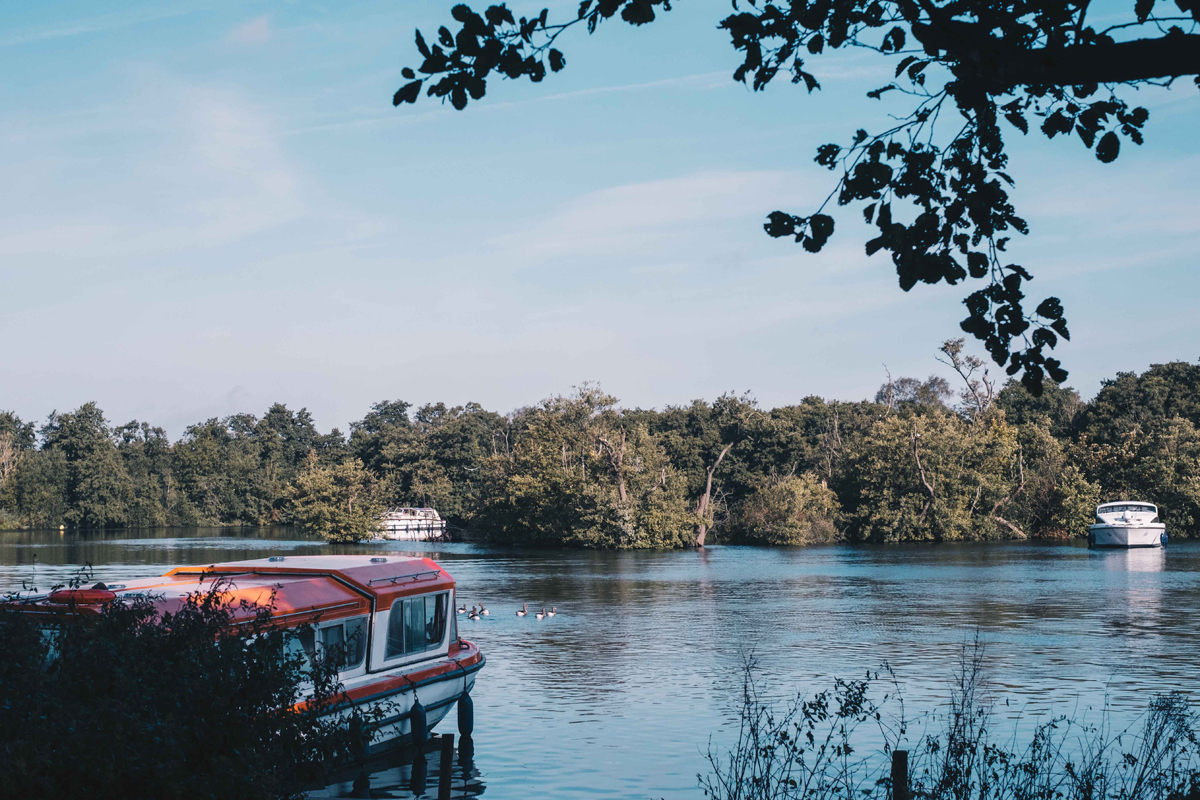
<point x="302" y="643"/>
<point x="416" y="624"/>
<point x="395" y="637"/>
<point x="356" y="642"/>
<point x="345" y="640"/>
<point x="414" y="634"/>
<point x="332" y="638"/>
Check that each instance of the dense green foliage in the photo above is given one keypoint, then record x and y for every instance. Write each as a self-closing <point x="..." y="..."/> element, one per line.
<point x="133" y="704"/>
<point x="580" y="471"/>
<point x="337" y="501"/>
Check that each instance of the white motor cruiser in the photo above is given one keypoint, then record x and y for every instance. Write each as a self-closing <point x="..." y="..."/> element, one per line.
<point x="1127" y="524"/>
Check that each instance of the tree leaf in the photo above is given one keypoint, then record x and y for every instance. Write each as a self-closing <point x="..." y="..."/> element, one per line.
<point x="1050" y="308"/>
<point x="1108" y="148"/>
<point x="1018" y="121"/>
<point x="904" y="62"/>
<point x="977" y="264"/>
<point x="407" y="93"/>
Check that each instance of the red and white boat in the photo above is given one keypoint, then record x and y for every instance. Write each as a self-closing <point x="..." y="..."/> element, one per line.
<point x="393" y="618"/>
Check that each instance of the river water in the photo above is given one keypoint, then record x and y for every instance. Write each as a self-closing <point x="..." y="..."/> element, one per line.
<point x="619" y="693"/>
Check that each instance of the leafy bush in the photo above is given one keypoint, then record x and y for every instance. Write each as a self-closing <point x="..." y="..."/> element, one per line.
<point x="339" y="502"/>
<point x="791" y="510"/>
<point x="133" y="703"/>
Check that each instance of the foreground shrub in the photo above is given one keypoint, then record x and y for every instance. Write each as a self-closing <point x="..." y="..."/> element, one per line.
<point x="132" y="703"/>
<point x="838" y="744"/>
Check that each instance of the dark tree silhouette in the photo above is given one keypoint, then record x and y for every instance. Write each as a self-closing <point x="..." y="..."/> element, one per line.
<point x="1023" y="61"/>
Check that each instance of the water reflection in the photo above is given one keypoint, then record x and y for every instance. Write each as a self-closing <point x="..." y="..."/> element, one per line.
<point x="619" y="693"/>
<point x="1138" y="559"/>
<point x="408" y="774"/>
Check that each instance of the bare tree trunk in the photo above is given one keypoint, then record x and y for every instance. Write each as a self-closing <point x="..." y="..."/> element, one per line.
<point x="9" y="455"/>
<point x="891" y="390"/>
<point x="921" y="471"/>
<point x="1012" y="496"/>
<point x="706" y="498"/>
<point x="616" y="457"/>
<point x="832" y="440"/>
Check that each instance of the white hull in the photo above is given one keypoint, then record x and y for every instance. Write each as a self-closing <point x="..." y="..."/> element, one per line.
<point x="1126" y="535"/>
<point x="425" y="532"/>
<point x="437" y="696"/>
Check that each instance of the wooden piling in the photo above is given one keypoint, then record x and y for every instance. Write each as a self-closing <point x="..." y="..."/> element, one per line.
<point x="446" y="766"/>
<point x="900" y="775"/>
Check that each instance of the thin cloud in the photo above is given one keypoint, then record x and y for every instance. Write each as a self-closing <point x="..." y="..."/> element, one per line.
<point x="90" y="25"/>
<point x="256" y="31"/>
<point x="651" y="217"/>
<point x="704" y="81"/>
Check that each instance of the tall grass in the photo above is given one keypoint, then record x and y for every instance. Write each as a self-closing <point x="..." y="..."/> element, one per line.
<point x="809" y="748"/>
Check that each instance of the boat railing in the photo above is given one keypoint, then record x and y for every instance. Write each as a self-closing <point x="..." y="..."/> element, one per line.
<point x="410" y="576"/>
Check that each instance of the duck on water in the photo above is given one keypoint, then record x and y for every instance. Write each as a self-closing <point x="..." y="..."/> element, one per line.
<point x="1127" y="523"/>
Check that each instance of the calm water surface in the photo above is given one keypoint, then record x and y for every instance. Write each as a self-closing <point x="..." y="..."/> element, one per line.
<point x="618" y="694"/>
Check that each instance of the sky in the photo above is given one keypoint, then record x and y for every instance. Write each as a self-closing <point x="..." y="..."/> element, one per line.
<point x="211" y="207"/>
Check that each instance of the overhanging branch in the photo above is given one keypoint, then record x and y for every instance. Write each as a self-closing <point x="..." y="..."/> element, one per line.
<point x="1004" y="66"/>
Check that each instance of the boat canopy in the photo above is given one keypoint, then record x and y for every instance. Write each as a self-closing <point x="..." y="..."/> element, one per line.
<point x="1125" y="505"/>
<point x="302" y="588"/>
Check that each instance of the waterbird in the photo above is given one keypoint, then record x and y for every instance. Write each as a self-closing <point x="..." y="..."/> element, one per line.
<point x="523" y="610"/>
<point x="462" y="609"/>
<point x="553" y="611"/>
<point x="483" y="610"/>
<point x="472" y="615"/>
<point x="541" y="614"/>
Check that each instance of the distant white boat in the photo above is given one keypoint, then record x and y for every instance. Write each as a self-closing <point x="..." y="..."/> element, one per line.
<point x="1127" y="524"/>
<point x="411" y="525"/>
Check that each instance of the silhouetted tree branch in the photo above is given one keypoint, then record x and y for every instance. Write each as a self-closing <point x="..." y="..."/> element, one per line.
<point x="1018" y="60"/>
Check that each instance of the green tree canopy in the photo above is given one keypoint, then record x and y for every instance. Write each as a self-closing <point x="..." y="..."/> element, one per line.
<point x="338" y="502"/>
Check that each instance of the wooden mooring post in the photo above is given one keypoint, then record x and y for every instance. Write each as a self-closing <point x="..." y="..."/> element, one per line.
<point x="446" y="766"/>
<point x="900" y="775"/>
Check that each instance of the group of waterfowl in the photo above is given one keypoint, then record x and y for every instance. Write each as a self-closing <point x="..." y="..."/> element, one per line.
<point x="524" y="609"/>
<point x="478" y="611"/>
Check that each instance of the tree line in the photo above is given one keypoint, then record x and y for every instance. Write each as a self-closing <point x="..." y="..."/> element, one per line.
<point x="918" y="462"/>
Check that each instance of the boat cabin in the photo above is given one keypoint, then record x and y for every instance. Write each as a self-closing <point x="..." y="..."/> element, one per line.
<point x="385" y="612"/>
<point x="389" y="616"/>
<point x="1126" y="511"/>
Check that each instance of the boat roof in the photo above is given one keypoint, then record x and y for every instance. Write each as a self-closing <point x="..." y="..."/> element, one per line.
<point x="1126" y="503"/>
<point x="300" y="588"/>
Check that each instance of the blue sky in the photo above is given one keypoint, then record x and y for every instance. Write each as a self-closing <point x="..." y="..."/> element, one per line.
<point x="210" y="207"/>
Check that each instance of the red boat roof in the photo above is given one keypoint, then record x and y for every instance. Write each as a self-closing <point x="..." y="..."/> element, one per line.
<point x="301" y="588"/>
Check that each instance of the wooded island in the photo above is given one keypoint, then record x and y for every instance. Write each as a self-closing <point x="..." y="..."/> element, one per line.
<point x="913" y="464"/>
